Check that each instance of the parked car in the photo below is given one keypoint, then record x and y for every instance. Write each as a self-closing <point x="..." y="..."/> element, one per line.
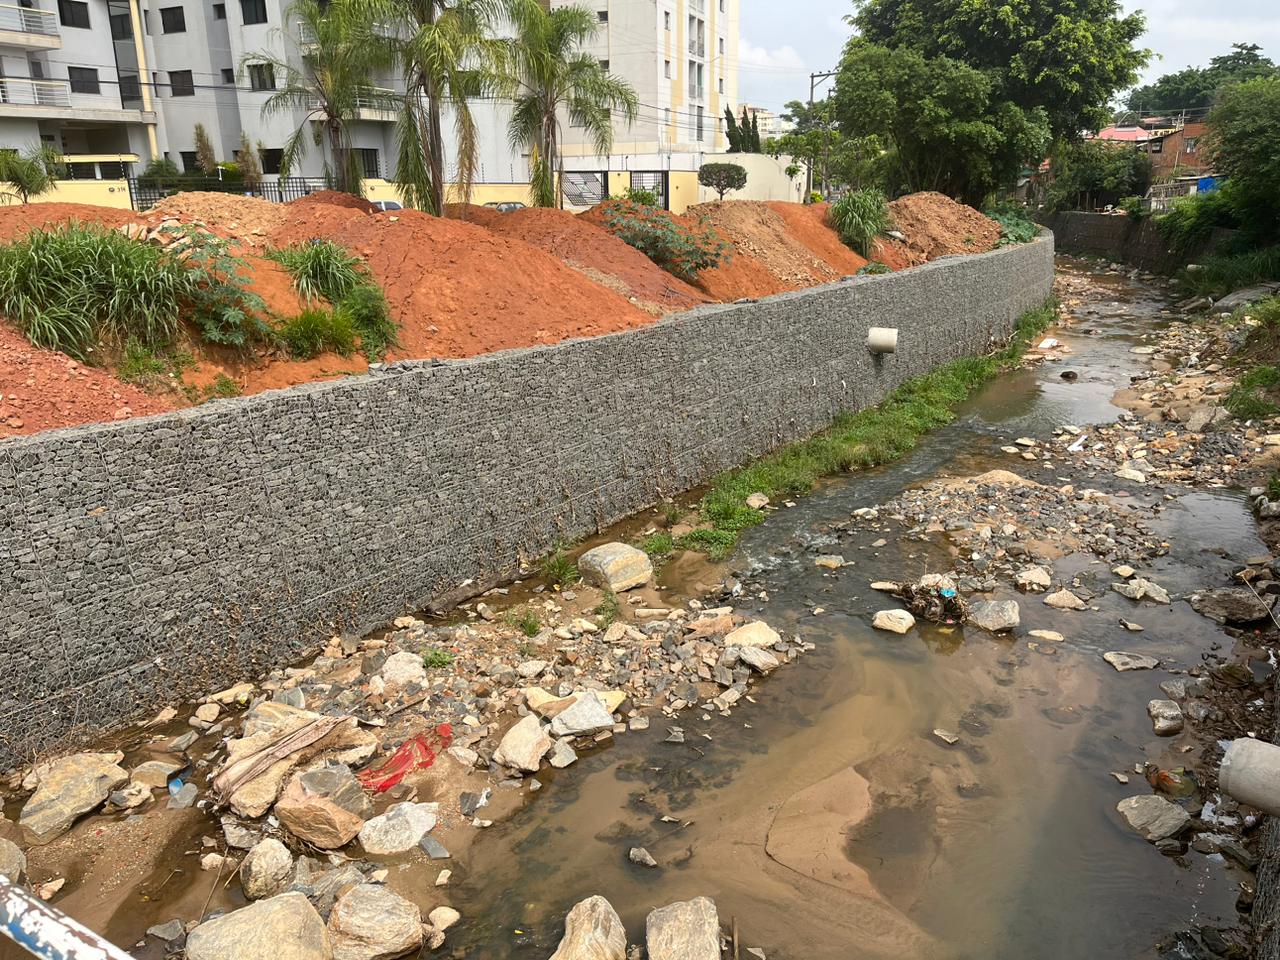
<point x="387" y="204"/>
<point x="505" y="206"/>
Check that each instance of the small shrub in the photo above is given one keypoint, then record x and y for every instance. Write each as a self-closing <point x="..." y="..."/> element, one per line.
<point x="223" y="387"/>
<point x="722" y="177"/>
<point x="314" y="331"/>
<point x="320" y="269"/>
<point x="559" y="569"/>
<point x="859" y="217"/>
<point x="815" y="197"/>
<point x="141" y="366"/>
<point x="1135" y="208"/>
<point x="222" y="306"/>
<point x="608" y="609"/>
<point x="1016" y="225"/>
<point x="873" y="268"/>
<point x="70" y="286"/>
<point x="1192" y="220"/>
<point x="646" y="198"/>
<point x="681" y="250"/>
<point x="527" y="623"/>
<point x="366" y="307"/>
<point x="436" y="659"/>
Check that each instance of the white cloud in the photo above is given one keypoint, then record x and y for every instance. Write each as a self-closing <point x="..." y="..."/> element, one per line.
<point x="781" y="59"/>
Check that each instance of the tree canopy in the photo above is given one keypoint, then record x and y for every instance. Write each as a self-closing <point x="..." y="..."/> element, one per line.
<point x="1194" y="88"/>
<point x="1068" y="58"/>
<point x="1095" y="173"/>
<point x="722" y="177"/>
<point x="1244" y="130"/>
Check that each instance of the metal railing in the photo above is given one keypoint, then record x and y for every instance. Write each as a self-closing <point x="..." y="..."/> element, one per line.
<point x="28" y="20"/>
<point x="366" y="102"/>
<point x="307" y="35"/>
<point x="696" y="90"/>
<point x="146" y="192"/>
<point x="697" y="47"/>
<point x="23" y="91"/>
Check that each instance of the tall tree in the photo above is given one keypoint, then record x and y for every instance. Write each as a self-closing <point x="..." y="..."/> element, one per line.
<point x="550" y="74"/>
<point x="1194" y="88"/>
<point x="30" y="173"/>
<point x="732" y="130"/>
<point x="1244" y="130"/>
<point x="331" y="86"/>
<point x="1068" y="58"/>
<point x="450" y="54"/>
<point x="755" y="133"/>
<point x="206" y="158"/>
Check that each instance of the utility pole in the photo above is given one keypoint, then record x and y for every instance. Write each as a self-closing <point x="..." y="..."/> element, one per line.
<point x="826" y="129"/>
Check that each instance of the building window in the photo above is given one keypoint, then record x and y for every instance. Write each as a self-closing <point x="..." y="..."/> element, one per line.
<point x="228" y="75"/>
<point x="253" y="11"/>
<point x="370" y="163"/>
<point x="130" y="91"/>
<point x="262" y="76"/>
<point x="666" y="69"/>
<point x="604" y="65"/>
<point x="720" y="86"/>
<point x="1157" y="146"/>
<point x="121" y="26"/>
<point x="189" y="161"/>
<point x="666" y="20"/>
<point x="602" y="16"/>
<point x="219" y="11"/>
<point x="172" y="20"/>
<point x="722" y="44"/>
<point x="83" y="80"/>
<point x="181" y="83"/>
<point x="271" y="160"/>
<point x="74" y="13"/>
<point x="666" y="115"/>
<point x="1191" y="144"/>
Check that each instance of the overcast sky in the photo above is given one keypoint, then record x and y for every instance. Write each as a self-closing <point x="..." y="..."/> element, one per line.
<point x="782" y="42"/>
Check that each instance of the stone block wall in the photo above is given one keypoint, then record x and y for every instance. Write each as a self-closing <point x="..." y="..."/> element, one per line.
<point x="1118" y="238"/>
<point x="161" y="557"/>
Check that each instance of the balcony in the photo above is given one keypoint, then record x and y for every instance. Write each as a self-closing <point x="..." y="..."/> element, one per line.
<point x="25" y="92"/>
<point x="307" y="36"/>
<point x="697" y="47"/>
<point x="54" y="99"/>
<point x="28" y="28"/>
<point x="696" y="90"/>
<point x="373" y="107"/>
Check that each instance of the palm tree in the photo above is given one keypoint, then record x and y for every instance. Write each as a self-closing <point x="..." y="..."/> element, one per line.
<point x="339" y="57"/>
<point x="549" y="73"/>
<point x="450" y="54"/>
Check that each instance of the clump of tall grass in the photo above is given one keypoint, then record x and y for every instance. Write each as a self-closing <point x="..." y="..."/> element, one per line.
<point x="70" y="286"/>
<point x="314" y="331"/>
<point x="1219" y="275"/>
<point x="859" y="217"/>
<point x="366" y="307"/>
<point x="320" y="269"/>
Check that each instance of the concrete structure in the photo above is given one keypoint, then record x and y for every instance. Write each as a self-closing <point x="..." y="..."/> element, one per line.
<point x="1119" y="237"/>
<point x="158" y="558"/>
<point x="770" y="124"/>
<point x="1179" y="152"/>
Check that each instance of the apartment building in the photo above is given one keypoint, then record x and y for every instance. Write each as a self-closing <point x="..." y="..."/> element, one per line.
<point x="681" y="56"/>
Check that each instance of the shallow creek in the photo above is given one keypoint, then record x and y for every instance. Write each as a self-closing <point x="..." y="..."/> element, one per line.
<point x="825" y="817"/>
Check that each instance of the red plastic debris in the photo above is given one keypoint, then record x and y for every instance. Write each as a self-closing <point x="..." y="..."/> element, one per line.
<point x="417" y="753"/>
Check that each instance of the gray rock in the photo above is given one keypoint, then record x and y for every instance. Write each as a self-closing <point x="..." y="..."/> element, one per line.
<point x="402" y="669"/>
<point x="616" y="567"/>
<point x="1064" y="600"/>
<point x="370" y="922"/>
<point x="68" y="788"/>
<point x="286" y="927"/>
<point x="1034" y="578"/>
<point x="1124" y="662"/>
<point x="266" y="869"/>
<point x="185" y="797"/>
<point x="1174" y="689"/>
<point x="686" y="930"/>
<point x="173" y="933"/>
<point x="433" y="848"/>
<point x="995" y="616"/>
<point x="587" y="715"/>
<point x="759" y="659"/>
<point x="757" y="633"/>
<point x="1140" y="589"/>
<point x="592" y="931"/>
<point x="238" y="835"/>
<point x="562" y="754"/>
<point x="524" y="745"/>
<point x="1246" y="296"/>
<point x="1166" y="717"/>
<point x="531" y="668"/>
<point x="442" y="918"/>
<point x="1230" y="605"/>
<point x="326" y="806"/>
<point x="401" y="828"/>
<point x="642" y="857"/>
<point x="893" y="621"/>
<point x="13" y="862"/>
<point x="1154" y="817"/>
<point x="155" y="773"/>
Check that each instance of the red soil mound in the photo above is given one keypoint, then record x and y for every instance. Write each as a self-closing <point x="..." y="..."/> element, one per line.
<point x="599" y="254"/>
<point x="335" y="198"/>
<point x="935" y="226"/>
<point x="17" y="220"/>
<point x="459" y="290"/>
<point x="41" y="389"/>
<point x="807" y="223"/>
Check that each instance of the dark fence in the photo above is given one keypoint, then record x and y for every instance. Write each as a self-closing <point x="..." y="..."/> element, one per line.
<point x="146" y="192"/>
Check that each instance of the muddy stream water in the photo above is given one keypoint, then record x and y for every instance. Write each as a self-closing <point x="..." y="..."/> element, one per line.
<point x="823" y="815"/>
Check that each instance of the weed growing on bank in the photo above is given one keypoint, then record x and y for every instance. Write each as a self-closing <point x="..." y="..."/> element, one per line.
<point x="558" y="569"/>
<point x="437" y="659"/>
<point x="320" y="270"/>
<point x="871" y="437"/>
<point x="315" y="331"/>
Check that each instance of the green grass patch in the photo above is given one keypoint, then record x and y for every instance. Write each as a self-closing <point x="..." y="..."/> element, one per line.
<point x="608" y="609"/>
<point x="1219" y="275"/>
<point x="559" y="569"/>
<point x="436" y="659"/>
<point x="855" y="441"/>
<point x="1248" y="399"/>
<point x="366" y="308"/>
<point x="316" y="330"/>
<point x="320" y="269"/>
<point x="658" y="546"/>
<point x="526" y="622"/>
<point x="222" y="387"/>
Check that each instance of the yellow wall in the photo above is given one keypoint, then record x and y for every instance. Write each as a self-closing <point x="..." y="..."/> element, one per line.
<point x="619" y="183"/>
<point x="481" y="193"/>
<point x="100" y="193"/>
<point x="684" y="190"/>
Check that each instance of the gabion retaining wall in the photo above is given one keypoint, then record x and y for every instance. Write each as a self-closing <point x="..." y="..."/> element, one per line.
<point x="1138" y="242"/>
<point x="155" y="558"/>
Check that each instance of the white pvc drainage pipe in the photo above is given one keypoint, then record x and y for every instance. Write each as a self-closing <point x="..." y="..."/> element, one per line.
<point x="47" y="932"/>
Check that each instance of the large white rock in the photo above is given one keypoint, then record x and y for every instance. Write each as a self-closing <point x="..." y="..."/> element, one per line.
<point x="995" y="616"/>
<point x="266" y="869"/>
<point x="757" y="633"/>
<point x="586" y="715"/>
<point x="1065" y="600"/>
<point x="1034" y="578"/>
<point x="524" y="745"/>
<point x="895" y="621"/>
<point x="403" y="668"/>
<point x="615" y="566"/>
<point x="686" y="930"/>
<point x="1166" y="717"/>
<point x="1154" y="817"/>
<point x="399" y="829"/>
<point x="759" y="659"/>
<point x="370" y="922"/>
<point x="592" y="931"/>
<point x="68" y="788"/>
<point x="1124" y="662"/>
<point x="286" y="927"/>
